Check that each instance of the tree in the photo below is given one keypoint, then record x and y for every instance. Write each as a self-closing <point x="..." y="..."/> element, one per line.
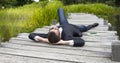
<point x="109" y="2"/>
<point x="117" y="3"/>
<point x="7" y="3"/>
<point x="13" y="3"/>
<point x="23" y="2"/>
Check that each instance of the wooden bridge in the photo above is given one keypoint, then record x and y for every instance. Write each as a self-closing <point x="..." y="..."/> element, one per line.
<point x="97" y="48"/>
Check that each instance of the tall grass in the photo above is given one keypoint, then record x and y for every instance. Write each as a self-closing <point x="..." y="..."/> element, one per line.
<point x="29" y="17"/>
<point x="44" y="15"/>
<point x="12" y="20"/>
<point x="101" y="10"/>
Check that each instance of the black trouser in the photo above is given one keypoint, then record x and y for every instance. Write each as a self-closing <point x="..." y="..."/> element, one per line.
<point x="63" y="20"/>
<point x="78" y="42"/>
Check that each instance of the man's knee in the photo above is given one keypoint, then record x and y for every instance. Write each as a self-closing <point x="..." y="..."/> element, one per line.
<point x="83" y="28"/>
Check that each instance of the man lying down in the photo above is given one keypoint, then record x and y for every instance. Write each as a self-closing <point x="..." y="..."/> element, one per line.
<point x="64" y="34"/>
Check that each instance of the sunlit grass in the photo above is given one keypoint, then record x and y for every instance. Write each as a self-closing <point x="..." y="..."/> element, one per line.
<point x="29" y="17"/>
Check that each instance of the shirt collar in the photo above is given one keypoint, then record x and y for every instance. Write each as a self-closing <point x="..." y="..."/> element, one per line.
<point x="60" y="29"/>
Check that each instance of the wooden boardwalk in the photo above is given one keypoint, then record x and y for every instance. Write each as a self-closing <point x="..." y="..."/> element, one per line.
<point x="97" y="48"/>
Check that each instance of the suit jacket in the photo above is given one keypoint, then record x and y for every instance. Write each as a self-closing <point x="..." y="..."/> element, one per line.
<point x="70" y="32"/>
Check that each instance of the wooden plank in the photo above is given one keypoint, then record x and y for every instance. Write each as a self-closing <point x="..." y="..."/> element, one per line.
<point x="98" y="40"/>
<point x="85" y="33"/>
<point x="97" y="28"/>
<point x="100" y="28"/>
<point x="55" y="56"/>
<point x="88" y="44"/>
<point x="90" y="31"/>
<point x="73" y="16"/>
<point x="94" y="39"/>
<point x="100" y="33"/>
<point x="82" y="16"/>
<point x="91" y="34"/>
<point x="32" y="43"/>
<point x="101" y="22"/>
<point x="86" y="37"/>
<point x="45" y="28"/>
<point x="10" y="58"/>
<point x="101" y="37"/>
<point x="58" y="50"/>
<point x="89" y="38"/>
<point x="93" y="42"/>
<point x="86" y="20"/>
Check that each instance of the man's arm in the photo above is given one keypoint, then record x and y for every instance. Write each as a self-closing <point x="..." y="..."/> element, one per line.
<point x="62" y="42"/>
<point x="76" y="42"/>
<point x="38" y="37"/>
<point x="41" y="39"/>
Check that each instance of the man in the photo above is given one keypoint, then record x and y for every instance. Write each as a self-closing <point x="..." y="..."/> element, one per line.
<point x="65" y="34"/>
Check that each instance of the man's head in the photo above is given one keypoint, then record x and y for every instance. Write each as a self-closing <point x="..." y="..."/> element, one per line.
<point x="54" y="35"/>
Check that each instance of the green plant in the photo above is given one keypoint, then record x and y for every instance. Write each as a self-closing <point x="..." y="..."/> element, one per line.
<point x="29" y="17"/>
<point x="43" y="15"/>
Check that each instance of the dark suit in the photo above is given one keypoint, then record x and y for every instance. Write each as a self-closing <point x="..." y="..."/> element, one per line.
<point x="69" y="32"/>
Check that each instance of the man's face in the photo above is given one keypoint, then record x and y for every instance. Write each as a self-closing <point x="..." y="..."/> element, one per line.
<point x="55" y="30"/>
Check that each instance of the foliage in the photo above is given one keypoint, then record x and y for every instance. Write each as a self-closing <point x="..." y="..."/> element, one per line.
<point x="101" y="10"/>
<point x="28" y="17"/>
<point x="44" y="15"/>
<point x="13" y="19"/>
<point x="23" y="2"/>
<point x="68" y="2"/>
<point x="14" y="3"/>
<point x="7" y="3"/>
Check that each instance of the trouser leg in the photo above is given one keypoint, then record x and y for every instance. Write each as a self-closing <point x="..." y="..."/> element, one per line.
<point x="83" y="28"/>
<point x="62" y="18"/>
<point x="90" y="27"/>
<point x="86" y="28"/>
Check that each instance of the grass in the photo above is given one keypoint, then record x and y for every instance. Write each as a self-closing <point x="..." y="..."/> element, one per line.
<point x="29" y="17"/>
<point x="101" y="10"/>
<point x="43" y="15"/>
<point x="13" y="19"/>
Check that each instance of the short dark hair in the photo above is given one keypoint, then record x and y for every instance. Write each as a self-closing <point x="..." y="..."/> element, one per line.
<point x="53" y="38"/>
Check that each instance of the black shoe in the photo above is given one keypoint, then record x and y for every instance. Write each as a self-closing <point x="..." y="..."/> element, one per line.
<point x="95" y="25"/>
